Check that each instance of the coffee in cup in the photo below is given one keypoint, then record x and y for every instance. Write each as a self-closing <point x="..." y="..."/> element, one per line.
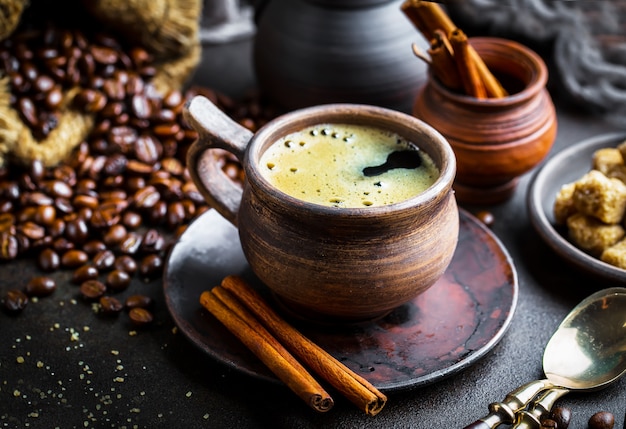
<point x="348" y="165"/>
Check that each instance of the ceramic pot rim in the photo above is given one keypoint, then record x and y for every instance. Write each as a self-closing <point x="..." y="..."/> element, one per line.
<point x="360" y="114"/>
<point x="518" y="53"/>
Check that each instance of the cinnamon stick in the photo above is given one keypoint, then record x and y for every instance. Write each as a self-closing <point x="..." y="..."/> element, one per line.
<point x="492" y="85"/>
<point x="472" y="83"/>
<point x="421" y="54"/>
<point x="354" y="387"/>
<point x="428" y="17"/>
<point x="443" y="63"/>
<point x="270" y="352"/>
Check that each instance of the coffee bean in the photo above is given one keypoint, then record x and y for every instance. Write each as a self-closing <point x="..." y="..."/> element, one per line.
<point x="548" y="424"/>
<point x="157" y="213"/>
<point x="110" y="305"/>
<point x="53" y="98"/>
<point x="131" y="220"/>
<point x="31" y="230"/>
<point x="115" y="235"/>
<point x="104" y="260"/>
<point x="138" y="301"/>
<point x="190" y="209"/>
<point x="602" y="420"/>
<point x="36" y="170"/>
<point x="131" y="244"/>
<point x="7" y="222"/>
<point x="27" y="111"/>
<point x="151" y="266"/>
<point x="25" y="243"/>
<point x="26" y="214"/>
<point x="56" y="228"/>
<point x="146" y="197"/>
<point x="58" y="189"/>
<point x="74" y="258"/>
<point x="103" y="55"/>
<point x="153" y="241"/>
<point x="84" y="273"/>
<point x="63" y="205"/>
<point x="90" y="100"/>
<point x="562" y="416"/>
<point x="485" y="217"/>
<point x="48" y="260"/>
<point x="105" y="216"/>
<point x="76" y="230"/>
<point x="92" y="289"/>
<point x="125" y="263"/>
<point x="62" y="245"/>
<point x="8" y="246"/>
<point x="139" y="103"/>
<point x="147" y="149"/>
<point x="14" y="301"/>
<point x="175" y="214"/>
<point x="94" y="246"/>
<point x="40" y="286"/>
<point x="45" y="215"/>
<point x="140" y="316"/>
<point x="118" y="280"/>
<point x="115" y="164"/>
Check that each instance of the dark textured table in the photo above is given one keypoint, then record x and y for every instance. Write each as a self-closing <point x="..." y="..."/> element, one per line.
<point x="61" y="365"/>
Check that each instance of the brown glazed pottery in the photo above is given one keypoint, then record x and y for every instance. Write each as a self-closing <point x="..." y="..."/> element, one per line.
<point x="309" y="52"/>
<point x="495" y="140"/>
<point x="327" y="263"/>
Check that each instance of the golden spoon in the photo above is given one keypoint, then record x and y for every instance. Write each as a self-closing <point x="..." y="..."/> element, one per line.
<point x="587" y="352"/>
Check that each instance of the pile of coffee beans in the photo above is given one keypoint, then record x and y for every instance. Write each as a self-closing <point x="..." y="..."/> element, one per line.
<point x="112" y="209"/>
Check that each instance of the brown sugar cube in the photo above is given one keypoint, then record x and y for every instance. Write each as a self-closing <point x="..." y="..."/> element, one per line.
<point x="564" y="203"/>
<point x="601" y="197"/>
<point x="617" y="172"/>
<point x="605" y="159"/>
<point x="622" y="148"/>
<point x="615" y="254"/>
<point x="591" y="235"/>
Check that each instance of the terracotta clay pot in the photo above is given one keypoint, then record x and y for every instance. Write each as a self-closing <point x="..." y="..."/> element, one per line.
<point x="309" y="52"/>
<point x="327" y="263"/>
<point x="495" y="140"/>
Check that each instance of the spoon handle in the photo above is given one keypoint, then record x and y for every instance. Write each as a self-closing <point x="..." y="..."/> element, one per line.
<point x="538" y="409"/>
<point x="504" y="412"/>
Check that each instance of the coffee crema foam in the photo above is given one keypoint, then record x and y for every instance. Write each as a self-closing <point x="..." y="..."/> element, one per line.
<point x="327" y="164"/>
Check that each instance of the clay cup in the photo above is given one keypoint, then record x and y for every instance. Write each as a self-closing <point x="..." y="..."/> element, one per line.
<point x="323" y="263"/>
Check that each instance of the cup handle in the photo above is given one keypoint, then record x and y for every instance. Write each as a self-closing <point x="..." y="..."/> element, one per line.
<point x="216" y="130"/>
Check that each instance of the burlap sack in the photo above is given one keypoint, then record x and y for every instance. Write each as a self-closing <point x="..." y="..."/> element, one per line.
<point x="169" y="29"/>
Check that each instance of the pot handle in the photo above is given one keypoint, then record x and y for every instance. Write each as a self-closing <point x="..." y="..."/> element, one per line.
<point x="216" y="130"/>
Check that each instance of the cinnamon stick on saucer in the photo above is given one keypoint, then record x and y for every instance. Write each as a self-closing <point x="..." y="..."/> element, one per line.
<point x="267" y="349"/>
<point x="354" y="387"/>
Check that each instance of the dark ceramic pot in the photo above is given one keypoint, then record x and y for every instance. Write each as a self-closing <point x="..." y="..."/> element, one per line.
<point x="309" y="52"/>
<point x="495" y="140"/>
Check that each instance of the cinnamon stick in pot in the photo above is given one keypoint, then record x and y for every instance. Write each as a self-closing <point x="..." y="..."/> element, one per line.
<point x="428" y="17"/>
<point x="468" y="72"/>
<point x="443" y="62"/>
